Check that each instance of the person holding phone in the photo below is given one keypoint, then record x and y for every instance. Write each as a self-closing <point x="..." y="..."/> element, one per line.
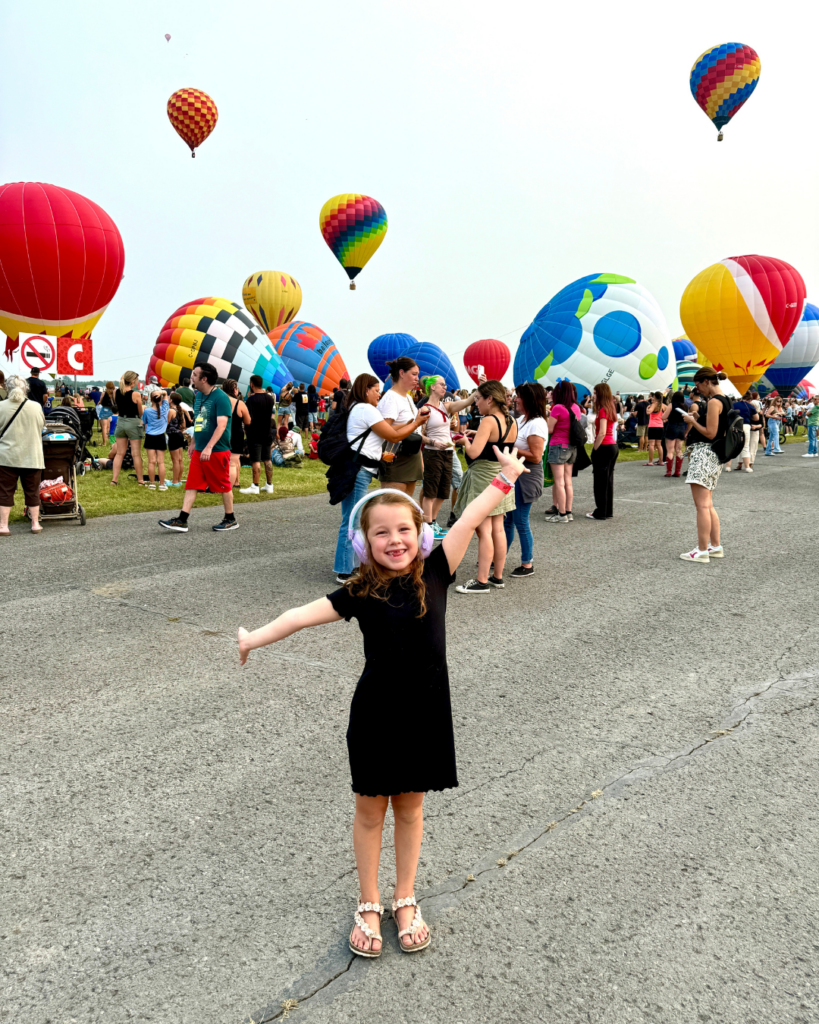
<point x="398" y="409"/>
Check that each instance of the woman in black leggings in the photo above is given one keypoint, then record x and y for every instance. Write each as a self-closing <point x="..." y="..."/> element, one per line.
<point x="604" y="453"/>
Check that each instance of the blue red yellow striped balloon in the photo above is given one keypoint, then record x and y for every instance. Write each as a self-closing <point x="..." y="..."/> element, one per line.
<point x="722" y="79"/>
<point x="353" y="226"/>
<point x="310" y="355"/>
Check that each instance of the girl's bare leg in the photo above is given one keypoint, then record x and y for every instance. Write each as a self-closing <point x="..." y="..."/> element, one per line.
<point x="408" y="809"/>
<point x="499" y="544"/>
<point x="486" y="549"/>
<point x="136" y="451"/>
<point x="367" y="828"/>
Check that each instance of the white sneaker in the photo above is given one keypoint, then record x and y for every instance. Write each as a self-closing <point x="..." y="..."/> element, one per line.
<point x="253" y="489"/>
<point x="268" y="488"/>
<point x="716" y="552"/>
<point x="695" y="556"/>
<point x="811" y="456"/>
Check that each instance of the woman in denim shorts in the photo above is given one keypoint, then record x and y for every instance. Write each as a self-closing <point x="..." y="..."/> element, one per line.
<point x="562" y="455"/>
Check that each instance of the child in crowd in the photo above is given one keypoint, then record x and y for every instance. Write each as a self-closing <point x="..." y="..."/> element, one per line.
<point x="398" y="595"/>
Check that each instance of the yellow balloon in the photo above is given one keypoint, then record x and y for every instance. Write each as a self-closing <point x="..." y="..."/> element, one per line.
<point x="272" y="297"/>
<point x="741" y="312"/>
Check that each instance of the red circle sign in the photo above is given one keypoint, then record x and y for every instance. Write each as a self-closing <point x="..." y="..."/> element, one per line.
<point x="38" y="352"/>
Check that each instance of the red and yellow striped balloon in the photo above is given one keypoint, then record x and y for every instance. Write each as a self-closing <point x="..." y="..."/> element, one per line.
<point x="193" y="115"/>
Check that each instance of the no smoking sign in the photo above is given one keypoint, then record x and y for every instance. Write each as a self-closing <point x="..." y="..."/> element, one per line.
<point x="38" y="352"/>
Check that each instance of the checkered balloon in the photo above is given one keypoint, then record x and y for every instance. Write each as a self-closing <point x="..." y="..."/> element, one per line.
<point x="193" y="115"/>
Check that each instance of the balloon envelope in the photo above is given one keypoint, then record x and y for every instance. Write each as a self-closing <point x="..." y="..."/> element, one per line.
<point x="384" y="349"/>
<point x="216" y="331"/>
<point x="61" y="261"/>
<point x="741" y="312"/>
<point x="193" y="115"/>
<point x="723" y="78"/>
<point x="353" y="226"/>
<point x="167" y="37"/>
<point x="274" y="298"/>
<point x="603" y="328"/>
<point x="686" y="369"/>
<point x="684" y="348"/>
<point x="799" y="356"/>
<point x="310" y="355"/>
<point x="489" y="353"/>
<point x="433" y="360"/>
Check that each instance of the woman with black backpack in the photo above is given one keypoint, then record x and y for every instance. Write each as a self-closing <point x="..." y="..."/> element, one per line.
<point x="709" y="427"/>
<point x="365" y="429"/>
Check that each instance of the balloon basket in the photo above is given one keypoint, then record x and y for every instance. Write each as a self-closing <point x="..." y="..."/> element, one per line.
<point x="352" y="286"/>
<point x="193" y="155"/>
<point x="719" y="137"/>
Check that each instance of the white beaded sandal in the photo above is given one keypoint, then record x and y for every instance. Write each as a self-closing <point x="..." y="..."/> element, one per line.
<point x="417" y="923"/>
<point x="362" y="924"/>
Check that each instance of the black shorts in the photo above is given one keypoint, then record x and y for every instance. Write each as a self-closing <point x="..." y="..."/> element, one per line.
<point x="675" y="431"/>
<point x="175" y="442"/>
<point x="237" y="446"/>
<point x="155" y="443"/>
<point x="437" y="473"/>
<point x="656" y="433"/>
<point x="259" y="451"/>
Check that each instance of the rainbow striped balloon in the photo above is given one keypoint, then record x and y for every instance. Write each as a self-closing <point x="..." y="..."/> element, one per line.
<point x="722" y="79"/>
<point x="353" y="226"/>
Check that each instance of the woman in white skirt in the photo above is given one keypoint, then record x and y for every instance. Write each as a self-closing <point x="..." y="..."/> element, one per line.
<point x="709" y="425"/>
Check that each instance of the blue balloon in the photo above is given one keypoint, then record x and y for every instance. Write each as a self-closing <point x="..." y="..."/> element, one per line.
<point x="433" y="360"/>
<point x="684" y="349"/>
<point x="384" y="349"/>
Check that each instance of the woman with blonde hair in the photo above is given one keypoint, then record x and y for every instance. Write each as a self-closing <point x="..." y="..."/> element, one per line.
<point x="773" y="415"/>
<point x="106" y="409"/>
<point x="130" y="428"/>
<point x="497" y="430"/>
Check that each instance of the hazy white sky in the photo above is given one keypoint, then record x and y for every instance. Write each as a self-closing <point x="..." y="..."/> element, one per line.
<point x="515" y="147"/>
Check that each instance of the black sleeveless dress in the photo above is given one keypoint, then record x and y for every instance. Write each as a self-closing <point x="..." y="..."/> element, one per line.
<point x="405" y="682"/>
<point x="237" y="433"/>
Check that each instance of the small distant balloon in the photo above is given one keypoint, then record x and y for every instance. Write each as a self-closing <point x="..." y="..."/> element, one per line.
<point x="167" y="37"/>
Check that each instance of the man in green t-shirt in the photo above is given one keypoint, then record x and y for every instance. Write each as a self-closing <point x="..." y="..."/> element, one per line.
<point x="813" y="430"/>
<point x="185" y="391"/>
<point x="209" y="467"/>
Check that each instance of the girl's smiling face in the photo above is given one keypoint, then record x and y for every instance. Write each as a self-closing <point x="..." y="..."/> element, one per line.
<point x="393" y="537"/>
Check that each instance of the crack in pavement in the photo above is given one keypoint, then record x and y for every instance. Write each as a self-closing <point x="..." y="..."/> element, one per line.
<point x="489" y="868"/>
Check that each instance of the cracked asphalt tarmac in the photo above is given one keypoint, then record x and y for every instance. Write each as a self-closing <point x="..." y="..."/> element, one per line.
<point x="637" y="747"/>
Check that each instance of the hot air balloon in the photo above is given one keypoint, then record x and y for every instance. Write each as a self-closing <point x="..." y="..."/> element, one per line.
<point x="686" y="368"/>
<point x="741" y="312"/>
<point x="193" y="115"/>
<point x="353" y="226"/>
<point x="167" y="37"/>
<point x="433" y="360"/>
<point x="722" y="79"/>
<point x="799" y="356"/>
<point x="684" y="348"/>
<point x="310" y="355"/>
<point x="61" y="262"/>
<point x="384" y="349"/>
<point x="216" y="331"/>
<point x="604" y="328"/>
<point x="492" y="355"/>
<point x="272" y="297"/>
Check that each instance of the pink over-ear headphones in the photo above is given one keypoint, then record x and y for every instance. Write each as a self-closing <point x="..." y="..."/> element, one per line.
<point x="356" y="535"/>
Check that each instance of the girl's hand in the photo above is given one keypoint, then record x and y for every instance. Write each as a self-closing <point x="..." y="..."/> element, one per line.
<point x="510" y="463"/>
<point x="244" y="644"/>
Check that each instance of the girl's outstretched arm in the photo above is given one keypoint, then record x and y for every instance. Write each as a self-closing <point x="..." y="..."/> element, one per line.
<point x="457" y="540"/>
<point x="314" y="614"/>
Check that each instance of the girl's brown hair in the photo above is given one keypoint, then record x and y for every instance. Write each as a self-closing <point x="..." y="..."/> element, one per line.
<point x="371" y="579"/>
<point x="111" y="387"/>
<point x="564" y="394"/>
<point x="397" y="365"/>
<point x="175" y="400"/>
<point x="496" y="391"/>
<point x="709" y="373"/>
<point x="533" y="400"/>
<point x="603" y="402"/>
<point x="361" y="385"/>
<point x="231" y="388"/>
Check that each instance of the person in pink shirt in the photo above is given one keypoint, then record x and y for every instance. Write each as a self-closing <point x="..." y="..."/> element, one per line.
<point x="562" y="453"/>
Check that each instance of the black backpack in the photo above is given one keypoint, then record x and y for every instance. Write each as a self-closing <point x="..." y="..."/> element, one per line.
<point x="577" y="435"/>
<point x="333" y="448"/>
<point x="730" y="446"/>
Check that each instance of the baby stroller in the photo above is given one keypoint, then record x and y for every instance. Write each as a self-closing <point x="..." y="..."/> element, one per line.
<point x="63" y="447"/>
<point x="81" y="425"/>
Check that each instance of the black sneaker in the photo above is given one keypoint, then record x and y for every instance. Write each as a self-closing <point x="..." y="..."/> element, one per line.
<point x="473" y="587"/>
<point x="342" y="577"/>
<point x="498" y="584"/>
<point x="522" y="572"/>
<point x="453" y="519"/>
<point x="226" y="524"/>
<point x="174" y="524"/>
<point x="551" y="511"/>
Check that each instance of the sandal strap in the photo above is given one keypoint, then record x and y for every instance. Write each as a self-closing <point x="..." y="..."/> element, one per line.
<point x="362" y="907"/>
<point x="407" y="901"/>
<point x="417" y="922"/>
<point x="362" y="924"/>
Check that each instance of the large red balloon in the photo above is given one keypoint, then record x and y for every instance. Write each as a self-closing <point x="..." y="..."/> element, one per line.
<point x="61" y="261"/>
<point x="491" y="354"/>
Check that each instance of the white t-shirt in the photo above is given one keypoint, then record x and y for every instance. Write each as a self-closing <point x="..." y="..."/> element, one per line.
<point x="437" y="426"/>
<point x="398" y="408"/>
<point x="363" y="415"/>
<point x="536" y="426"/>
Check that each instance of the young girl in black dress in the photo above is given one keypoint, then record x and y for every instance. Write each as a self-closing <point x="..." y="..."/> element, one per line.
<point x="399" y="598"/>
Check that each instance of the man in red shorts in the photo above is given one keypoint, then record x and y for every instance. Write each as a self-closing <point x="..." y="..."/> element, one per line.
<point x="209" y="467"/>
